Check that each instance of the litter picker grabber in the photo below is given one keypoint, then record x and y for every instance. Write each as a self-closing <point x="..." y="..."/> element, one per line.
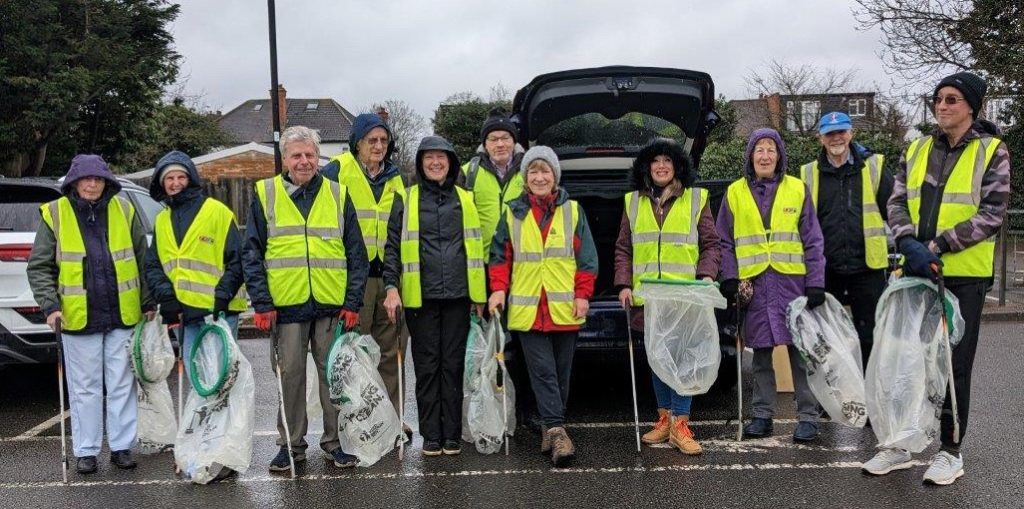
<point x="60" y="390"/>
<point x="632" y="375"/>
<point x="949" y="352"/>
<point x="180" y="361"/>
<point x="739" y="373"/>
<point x="401" y="386"/>
<point x="500" y="356"/>
<point x="280" y="391"/>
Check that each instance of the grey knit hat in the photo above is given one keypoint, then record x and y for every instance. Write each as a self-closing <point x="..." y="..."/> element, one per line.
<point x="545" y="154"/>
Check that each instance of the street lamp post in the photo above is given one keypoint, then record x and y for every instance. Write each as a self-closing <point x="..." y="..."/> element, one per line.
<point x="275" y="107"/>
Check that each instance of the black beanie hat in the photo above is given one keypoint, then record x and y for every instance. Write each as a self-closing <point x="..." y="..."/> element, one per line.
<point x="970" y="84"/>
<point x="498" y="120"/>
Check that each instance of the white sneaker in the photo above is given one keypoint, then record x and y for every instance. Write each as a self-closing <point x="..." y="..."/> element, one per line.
<point x="945" y="469"/>
<point x="888" y="460"/>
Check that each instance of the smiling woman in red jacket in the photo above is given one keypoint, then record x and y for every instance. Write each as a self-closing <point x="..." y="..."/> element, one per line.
<point x="544" y="260"/>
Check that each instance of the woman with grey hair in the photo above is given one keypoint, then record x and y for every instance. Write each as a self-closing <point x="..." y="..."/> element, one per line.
<point x="544" y="261"/>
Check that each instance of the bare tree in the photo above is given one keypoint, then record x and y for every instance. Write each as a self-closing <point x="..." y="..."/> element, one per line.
<point x="783" y="79"/>
<point x="407" y="126"/>
<point x="919" y="35"/>
<point x="500" y="93"/>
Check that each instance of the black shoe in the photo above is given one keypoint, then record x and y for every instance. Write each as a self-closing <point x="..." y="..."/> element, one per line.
<point x="86" y="465"/>
<point x="758" y="428"/>
<point x="805" y="431"/>
<point x="343" y="459"/>
<point x="122" y="459"/>
<point x="431" y="448"/>
<point x="451" y="448"/>
<point x="280" y="462"/>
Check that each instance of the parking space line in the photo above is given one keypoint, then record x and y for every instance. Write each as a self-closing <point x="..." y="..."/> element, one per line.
<point x="463" y="473"/>
<point x="41" y="427"/>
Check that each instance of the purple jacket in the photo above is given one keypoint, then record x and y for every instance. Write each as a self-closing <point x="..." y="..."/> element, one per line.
<point x="765" y="322"/>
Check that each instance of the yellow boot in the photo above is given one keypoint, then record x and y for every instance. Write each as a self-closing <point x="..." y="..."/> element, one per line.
<point x="681" y="437"/>
<point x="660" y="432"/>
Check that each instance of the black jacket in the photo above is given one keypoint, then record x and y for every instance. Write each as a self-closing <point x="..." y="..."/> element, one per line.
<point x="184" y="207"/>
<point x="840" y="211"/>
<point x="256" y="246"/>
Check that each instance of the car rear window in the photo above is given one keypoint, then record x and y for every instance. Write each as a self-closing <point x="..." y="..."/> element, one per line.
<point x="19" y="206"/>
<point x="595" y="131"/>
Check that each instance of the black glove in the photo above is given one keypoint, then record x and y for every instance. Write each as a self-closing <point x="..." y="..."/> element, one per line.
<point x="815" y="296"/>
<point x="170" y="312"/>
<point x="918" y="259"/>
<point x="729" y="288"/>
<point x="220" y="306"/>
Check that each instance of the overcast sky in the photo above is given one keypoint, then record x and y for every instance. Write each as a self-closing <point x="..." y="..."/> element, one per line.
<point x="424" y="51"/>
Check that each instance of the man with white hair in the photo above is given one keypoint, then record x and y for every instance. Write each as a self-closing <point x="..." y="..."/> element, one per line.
<point x="305" y="268"/>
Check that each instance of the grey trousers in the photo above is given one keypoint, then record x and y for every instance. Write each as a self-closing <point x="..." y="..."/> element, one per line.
<point x="763" y="397"/>
<point x="294" y="341"/>
<point x="391" y="338"/>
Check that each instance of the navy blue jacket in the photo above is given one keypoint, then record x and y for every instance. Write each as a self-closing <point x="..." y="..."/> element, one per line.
<point x="184" y="207"/>
<point x="256" y="247"/>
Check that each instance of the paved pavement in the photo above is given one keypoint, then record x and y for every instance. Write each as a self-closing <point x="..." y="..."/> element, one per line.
<point x="609" y="473"/>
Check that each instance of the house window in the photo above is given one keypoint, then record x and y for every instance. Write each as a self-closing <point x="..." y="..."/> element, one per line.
<point x="312" y="106"/>
<point x="791" y="115"/>
<point x="257" y="107"/>
<point x="810" y="112"/>
<point x="858" y="107"/>
<point x="994" y="109"/>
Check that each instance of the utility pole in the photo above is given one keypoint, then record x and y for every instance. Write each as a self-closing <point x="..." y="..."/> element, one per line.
<point x="274" y="106"/>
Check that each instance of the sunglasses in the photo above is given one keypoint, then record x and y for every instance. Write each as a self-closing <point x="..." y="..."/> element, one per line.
<point x="948" y="99"/>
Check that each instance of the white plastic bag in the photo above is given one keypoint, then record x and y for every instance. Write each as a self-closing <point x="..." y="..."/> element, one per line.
<point x="217" y="428"/>
<point x="906" y="379"/>
<point x="488" y="410"/>
<point x="830" y="347"/>
<point x="313" y="409"/>
<point x="152" y="360"/>
<point x="681" y="334"/>
<point x="368" y="425"/>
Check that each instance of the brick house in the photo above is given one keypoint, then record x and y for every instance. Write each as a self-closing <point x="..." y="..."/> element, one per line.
<point x="252" y="121"/>
<point x="800" y="113"/>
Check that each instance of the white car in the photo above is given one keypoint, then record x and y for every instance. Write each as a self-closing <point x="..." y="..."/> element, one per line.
<point x="24" y="336"/>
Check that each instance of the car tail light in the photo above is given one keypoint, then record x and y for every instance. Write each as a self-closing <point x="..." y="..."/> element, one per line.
<point x="33" y="314"/>
<point x="15" y="252"/>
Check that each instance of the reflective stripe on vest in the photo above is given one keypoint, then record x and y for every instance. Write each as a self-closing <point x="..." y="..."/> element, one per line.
<point x="670" y="251"/>
<point x="71" y="259"/>
<point x="197" y="265"/>
<point x="961" y="197"/>
<point x="412" y="293"/>
<point x="304" y="256"/>
<point x="373" y="215"/>
<point x="876" y="244"/>
<point x="547" y="265"/>
<point x="490" y="196"/>
<point x="781" y="247"/>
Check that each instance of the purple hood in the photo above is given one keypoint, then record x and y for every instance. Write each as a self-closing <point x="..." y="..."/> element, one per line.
<point x="765" y="132"/>
<point x="89" y="165"/>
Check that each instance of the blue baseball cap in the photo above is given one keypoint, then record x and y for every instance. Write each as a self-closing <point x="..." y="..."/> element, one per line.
<point x="835" y="121"/>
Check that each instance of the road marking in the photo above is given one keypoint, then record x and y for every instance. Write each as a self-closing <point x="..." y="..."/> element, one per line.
<point x="32" y="435"/>
<point x="463" y="473"/>
<point x="760" y="445"/>
<point x="41" y="427"/>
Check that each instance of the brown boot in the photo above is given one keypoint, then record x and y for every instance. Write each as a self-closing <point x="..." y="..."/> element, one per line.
<point x="562" y="450"/>
<point x="545" y="441"/>
<point x="681" y="437"/>
<point x="660" y="432"/>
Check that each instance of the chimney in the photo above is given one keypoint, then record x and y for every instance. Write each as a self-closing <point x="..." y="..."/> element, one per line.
<point x="282" y="106"/>
<point x="382" y="112"/>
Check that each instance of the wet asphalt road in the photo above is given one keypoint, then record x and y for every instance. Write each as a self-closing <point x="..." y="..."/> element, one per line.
<point x="608" y="472"/>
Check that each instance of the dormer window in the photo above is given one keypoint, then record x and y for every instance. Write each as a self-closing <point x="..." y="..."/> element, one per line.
<point x="312" y="106"/>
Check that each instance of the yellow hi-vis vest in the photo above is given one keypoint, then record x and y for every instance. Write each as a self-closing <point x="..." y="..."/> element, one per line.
<point x="548" y="265"/>
<point x="876" y="245"/>
<point x="412" y="294"/>
<point x="373" y="215"/>
<point x="59" y="215"/>
<point x="197" y="265"/>
<point x="671" y="251"/>
<point x="780" y="247"/>
<point x="960" y="199"/>
<point x="304" y="256"/>
<point x="491" y="196"/>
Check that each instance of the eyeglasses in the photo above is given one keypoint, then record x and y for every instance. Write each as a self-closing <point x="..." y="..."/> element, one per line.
<point x="948" y="99"/>
<point x="497" y="139"/>
<point x="376" y="141"/>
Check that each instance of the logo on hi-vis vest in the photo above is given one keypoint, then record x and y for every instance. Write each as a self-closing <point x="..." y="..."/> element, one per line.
<point x="204" y="238"/>
<point x="789" y="210"/>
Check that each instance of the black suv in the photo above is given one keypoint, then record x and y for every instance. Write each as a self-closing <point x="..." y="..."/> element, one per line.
<point x="597" y="120"/>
